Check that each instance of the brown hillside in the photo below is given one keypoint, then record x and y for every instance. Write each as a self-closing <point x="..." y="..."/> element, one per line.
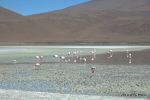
<point x="95" y="21"/>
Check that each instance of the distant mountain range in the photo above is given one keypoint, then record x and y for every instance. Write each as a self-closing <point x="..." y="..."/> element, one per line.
<point x="94" y="21"/>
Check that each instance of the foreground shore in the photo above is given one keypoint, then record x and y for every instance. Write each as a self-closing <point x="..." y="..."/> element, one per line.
<point x="26" y="95"/>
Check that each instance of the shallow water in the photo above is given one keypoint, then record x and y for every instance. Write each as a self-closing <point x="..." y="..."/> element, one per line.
<point x="53" y="76"/>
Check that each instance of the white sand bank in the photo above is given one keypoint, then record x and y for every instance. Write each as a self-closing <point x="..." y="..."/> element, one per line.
<point x="26" y="95"/>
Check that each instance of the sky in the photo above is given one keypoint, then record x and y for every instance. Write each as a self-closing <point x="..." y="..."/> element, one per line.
<point x="30" y="7"/>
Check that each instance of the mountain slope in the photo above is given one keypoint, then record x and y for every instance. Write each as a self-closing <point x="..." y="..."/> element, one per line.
<point x="95" y="21"/>
<point x="6" y="15"/>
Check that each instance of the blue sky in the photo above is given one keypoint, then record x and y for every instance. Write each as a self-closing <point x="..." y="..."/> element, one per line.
<point x="29" y="7"/>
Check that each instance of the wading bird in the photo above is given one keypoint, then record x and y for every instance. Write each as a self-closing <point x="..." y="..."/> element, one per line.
<point x="56" y="56"/>
<point x="130" y="58"/>
<point x="62" y="58"/>
<point x="93" y="54"/>
<point x="84" y="60"/>
<point x="74" y="60"/>
<point x="93" y="69"/>
<point x="37" y="65"/>
<point x="130" y="61"/>
<point x="39" y="57"/>
<point x="127" y="53"/>
<point x="110" y="54"/>
<point x="92" y="59"/>
<point x="14" y="61"/>
<point x="130" y="55"/>
<point x="39" y="60"/>
<point x="69" y="53"/>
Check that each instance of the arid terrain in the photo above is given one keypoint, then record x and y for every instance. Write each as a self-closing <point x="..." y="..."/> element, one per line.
<point x="94" y="21"/>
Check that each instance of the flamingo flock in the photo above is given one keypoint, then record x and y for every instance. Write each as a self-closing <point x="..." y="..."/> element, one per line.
<point x="129" y="56"/>
<point x="77" y="56"/>
<point x="38" y="61"/>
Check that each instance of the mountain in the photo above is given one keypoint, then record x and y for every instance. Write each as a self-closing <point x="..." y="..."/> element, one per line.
<point x="7" y="15"/>
<point x="94" y="21"/>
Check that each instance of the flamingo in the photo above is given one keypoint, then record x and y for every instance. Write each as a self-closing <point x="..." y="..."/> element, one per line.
<point x="93" y="54"/>
<point x="130" y="58"/>
<point x="69" y="53"/>
<point x="39" y="57"/>
<point x="62" y="58"/>
<point x="93" y="69"/>
<point x="56" y="56"/>
<point x="130" y="55"/>
<point x="110" y="54"/>
<point x="92" y="59"/>
<point x="84" y="60"/>
<point x="130" y="61"/>
<point x="14" y="61"/>
<point x="127" y="53"/>
<point x="75" y="61"/>
<point x="36" y="65"/>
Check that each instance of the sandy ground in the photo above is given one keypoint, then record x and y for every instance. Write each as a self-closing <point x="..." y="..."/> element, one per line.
<point x="25" y="95"/>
